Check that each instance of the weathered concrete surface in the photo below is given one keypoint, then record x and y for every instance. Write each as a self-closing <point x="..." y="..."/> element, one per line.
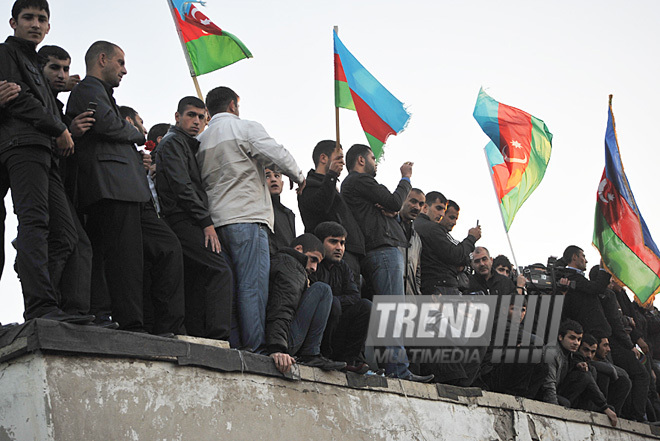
<point x="49" y="396"/>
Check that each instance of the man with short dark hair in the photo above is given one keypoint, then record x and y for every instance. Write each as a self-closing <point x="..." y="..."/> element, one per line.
<point x="297" y="312"/>
<point x="485" y="280"/>
<point x="320" y="201"/>
<point x="232" y="156"/>
<point x="31" y="130"/>
<point x="284" y="228"/>
<point x="208" y="277"/>
<point x="411" y="208"/>
<point x="112" y="185"/>
<point x="346" y="331"/>
<point x="612" y="380"/>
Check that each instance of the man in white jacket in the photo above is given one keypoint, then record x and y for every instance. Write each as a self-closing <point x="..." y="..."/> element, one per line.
<point x="232" y="157"/>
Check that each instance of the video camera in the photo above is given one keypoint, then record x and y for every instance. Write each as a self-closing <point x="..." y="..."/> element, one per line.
<point x="544" y="279"/>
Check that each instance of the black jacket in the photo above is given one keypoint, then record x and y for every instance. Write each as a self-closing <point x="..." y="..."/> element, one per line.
<point x="361" y="193"/>
<point x="440" y="256"/>
<point x="288" y="280"/>
<point x="340" y="278"/>
<point x="32" y="118"/>
<point x="583" y="305"/>
<point x="615" y="318"/>
<point x="497" y="285"/>
<point x="109" y="166"/>
<point x="285" y="226"/>
<point x="178" y="180"/>
<point x="321" y="202"/>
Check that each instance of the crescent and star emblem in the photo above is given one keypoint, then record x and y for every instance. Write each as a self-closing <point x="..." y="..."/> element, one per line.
<point x="522" y="160"/>
<point x="601" y="190"/>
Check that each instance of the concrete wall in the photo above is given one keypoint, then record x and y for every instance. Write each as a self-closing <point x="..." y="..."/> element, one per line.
<point x="59" y="397"/>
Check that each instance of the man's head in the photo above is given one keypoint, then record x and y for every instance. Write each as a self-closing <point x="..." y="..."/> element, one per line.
<point x="310" y="246"/>
<point x="603" y="347"/>
<point x="130" y="115"/>
<point x="274" y="181"/>
<point x="30" y="20"/>
<point x="574" y="256"/>
<point x="436" y="204"/>
<point x="333" y="236"/>
<point x="451" y="215"/>
<point x="588" y="346"/>
<point x="190" y="115"/>
<point x="361" y="159"/>
<point x="156" y="133"/>
<point x="502" y="265"/>
<point x="481" y="262"/>
<point x="570" y="335"/>
<point x="413" y="205"/>
<point x="105" y="61"/>
<point x="222" y="99"/>
<point x="56" y="69"/>
<point x="324" y="153"/>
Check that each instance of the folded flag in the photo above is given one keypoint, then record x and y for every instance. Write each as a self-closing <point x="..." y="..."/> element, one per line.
<point x="209" y="48"/>
<point x="620" y="233"/>
<point x="380" y="113"/>
<point x="518" y="153"/>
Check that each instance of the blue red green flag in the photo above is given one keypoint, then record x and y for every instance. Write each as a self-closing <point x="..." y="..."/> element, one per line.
<point x="208" y="47"/>
<point x="518" y="153"/>
<point x="620" y="233"/>
<point x="380" y="113"/>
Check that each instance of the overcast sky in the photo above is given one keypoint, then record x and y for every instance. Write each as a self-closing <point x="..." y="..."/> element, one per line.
<point x="557" y="60"/>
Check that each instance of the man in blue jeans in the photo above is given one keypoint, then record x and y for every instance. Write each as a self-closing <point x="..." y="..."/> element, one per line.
<point x="232" y="156"/>
<point x="374" y="209"/>
<point x="297" y="313"/>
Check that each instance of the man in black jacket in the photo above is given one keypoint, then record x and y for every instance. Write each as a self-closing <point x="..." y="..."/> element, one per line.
<point x="285" y="221"/>
<point x="320" y="201"/>
<point x="485" y="280"/>
<point x="297" y="313"/>
<point x="346" y="331"/>
<point x="112" y="184"/>
<point x="184" y="204"/>
<point x="30" y="128"/>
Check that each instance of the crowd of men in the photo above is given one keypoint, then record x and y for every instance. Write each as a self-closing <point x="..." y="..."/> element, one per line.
<point x="191" y="237"/>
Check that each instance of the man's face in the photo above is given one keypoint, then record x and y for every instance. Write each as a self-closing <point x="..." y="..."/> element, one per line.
<point x="138" y="122"/>
<point x="334" y="248"/>
<point x="482" y="263"/>
<point x="274" y="182"/>
<point x="580" y="261"/>
<point x="313" y="259"/>
<point x="56" y="72"/>
<point x="370" y="166"/>
<point x="32" y="24"/>
<point x="603" y="349"/>
<point x="192" y="120"/>
<point x="115" y="68"/>
<point x="450" y="218"/>
<point x="588" y="351"/>
<point x="412" y="206"/>
<point x="503" y="270"/>
<point x="570" y="341"/>
<point x="436" y="210"/>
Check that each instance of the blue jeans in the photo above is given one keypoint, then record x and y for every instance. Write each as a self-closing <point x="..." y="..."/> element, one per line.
<point x="308" y="324"/>
<point x="247" y="247"/>
<point x="385" y="268"/>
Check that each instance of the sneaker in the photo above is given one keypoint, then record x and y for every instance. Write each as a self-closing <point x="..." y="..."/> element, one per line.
<point x="320" y="361"/>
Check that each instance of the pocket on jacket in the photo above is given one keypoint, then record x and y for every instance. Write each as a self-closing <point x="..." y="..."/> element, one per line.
<point x="108" y="157"/>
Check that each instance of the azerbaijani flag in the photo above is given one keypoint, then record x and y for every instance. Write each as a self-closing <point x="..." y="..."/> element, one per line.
<point x="518" y="153"/>
<point x="620" y="233"/>
<point x="380" y="113"/>
<point x="209" y="48"/>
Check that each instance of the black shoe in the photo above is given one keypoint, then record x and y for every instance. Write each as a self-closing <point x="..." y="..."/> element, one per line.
<point x="357" y="366"/>
<point x="61" y="316"/>
<point x="105" y="323"/>
<point x="415" y="378"/>
<point x="166" y="335"/>
<point x="320" y="361"/>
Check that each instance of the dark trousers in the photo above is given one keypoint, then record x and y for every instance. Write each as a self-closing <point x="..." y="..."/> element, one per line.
<point x="76" y="278"/>
<point x="163" y="274"/>
<point x="114" y="228"/>
<point x="635" y="406"/>
<point x="615" y="388"/>
<point x="208" y="284"/>
<point x="34" y="180"/>
<point x="346" y="330"/>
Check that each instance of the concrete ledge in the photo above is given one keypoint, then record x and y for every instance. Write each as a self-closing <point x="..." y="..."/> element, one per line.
<point x="61" y="382"/>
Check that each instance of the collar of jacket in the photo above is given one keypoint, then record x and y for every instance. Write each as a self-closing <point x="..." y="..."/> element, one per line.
<point x="26" y="46"/>
<point x="222" y="115"/>
<point x="316" y="179"/>
<point x="300" y="257"/>
<point x="108" y="88"/>
<point x="193" y="143"/>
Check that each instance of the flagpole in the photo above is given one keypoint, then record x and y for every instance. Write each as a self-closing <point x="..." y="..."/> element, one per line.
<point x="499" y="207"/>
<point x="338" y="144"/>
<point x="185" y="51"/>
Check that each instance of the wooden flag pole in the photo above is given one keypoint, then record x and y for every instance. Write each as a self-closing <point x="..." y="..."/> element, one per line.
<point x="499" y="207"/>
<point x="338" y="144"/>
<point x="191" y="69"/>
